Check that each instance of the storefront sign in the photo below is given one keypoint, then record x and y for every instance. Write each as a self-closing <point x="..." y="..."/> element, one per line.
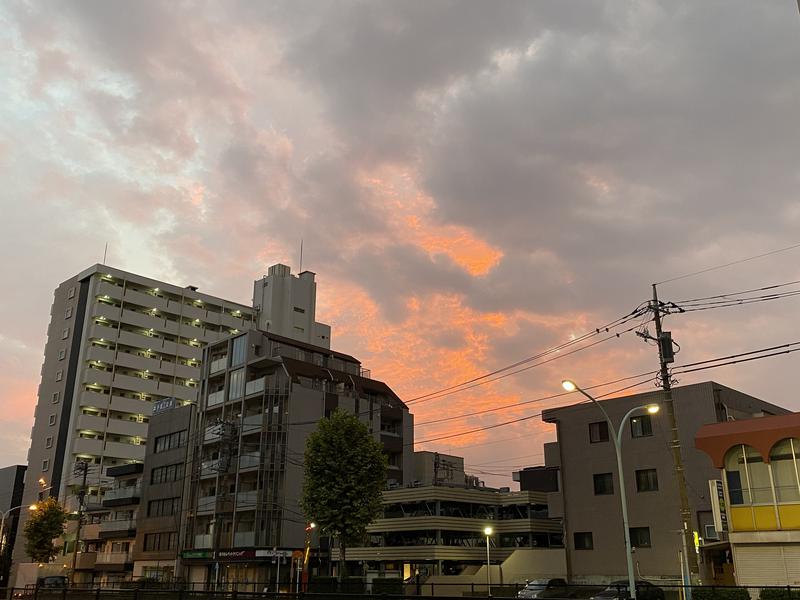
<point x="236" y="554"/>
<point x="718" y="506"/>
<point x="196" y="554"/>
<point x="273" y="553"/>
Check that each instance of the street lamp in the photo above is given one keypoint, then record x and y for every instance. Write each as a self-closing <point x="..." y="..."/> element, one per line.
<point x="652" y="409"/>
<point x="3" y="518"/>
<point x="487" y="531"/>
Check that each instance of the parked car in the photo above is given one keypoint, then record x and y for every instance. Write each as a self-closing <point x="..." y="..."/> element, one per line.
<point x="618" y="590"/>
<point x="545" y="588"/>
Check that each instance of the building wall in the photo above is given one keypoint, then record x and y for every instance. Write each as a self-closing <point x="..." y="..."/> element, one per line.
<point x="579" y="460"/>
<point x="11" y="487"/>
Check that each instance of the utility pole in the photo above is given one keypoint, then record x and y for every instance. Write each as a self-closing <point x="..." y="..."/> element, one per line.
<point x="666" y="356"/>
<point x="80" y="467"/>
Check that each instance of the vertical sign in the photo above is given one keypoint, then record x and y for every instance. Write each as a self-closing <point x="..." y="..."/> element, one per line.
<point x="718" y="506"/>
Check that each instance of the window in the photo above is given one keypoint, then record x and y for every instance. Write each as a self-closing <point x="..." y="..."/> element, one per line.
<point x="160" y="541"/>
<point x="641" y="426"/>
<point x="748" y="476"/>
<point x="61" y="354"/>
<point x="239" y="351"/>
<point x="236" y="389"/>
<point x="298" y="329"/>
<point x="598" y="432"/>
<point x="48" y="441"/>
<point x="583" y="540"/>
<point x="603" y="484"/>
<point x="56" y="397"/>
<point x="45" y="465"/>
<point x="167" y="473"/>
<point x="785" y="459"/>
<point x="52" y="420"/>
<point x="71" y="292"/>
<point x="297" y="309"/>
<point x="171" y="441"/>
<point x="59" y="375"/>
<point x="65" y="333"/>
<point x="68" y="312"/>
<point x="647" y="480"/>
<point x="164" y="507"/>
<point x="640" y="537"/>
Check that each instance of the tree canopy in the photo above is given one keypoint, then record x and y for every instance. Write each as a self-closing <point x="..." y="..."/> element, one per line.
<point x="345" y="473"/>
<point x="44" y="525"/>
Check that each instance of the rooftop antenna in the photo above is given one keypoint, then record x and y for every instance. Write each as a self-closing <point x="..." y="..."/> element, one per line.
<point x="105" y="252"/>
<point x="301" y="245"/>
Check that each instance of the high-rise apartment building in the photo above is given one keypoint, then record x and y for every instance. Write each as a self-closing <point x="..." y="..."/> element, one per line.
<point x="117" y="342"/>
<point x="11" y="484"/>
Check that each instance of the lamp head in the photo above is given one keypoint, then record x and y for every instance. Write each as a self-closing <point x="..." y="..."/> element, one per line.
<point x="42" y="482"/>
<point x="652" y="408"/>
<point x="487" y="531"/>
<point x="569" y="385"/>
<point x="312" y="525"/>
<point x="33" y="507"/>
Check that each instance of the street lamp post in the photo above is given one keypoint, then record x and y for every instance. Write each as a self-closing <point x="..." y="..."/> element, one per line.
<point x="616" y="436"/>
<point x="487" y="531"/>
<point x="3" y="518"/>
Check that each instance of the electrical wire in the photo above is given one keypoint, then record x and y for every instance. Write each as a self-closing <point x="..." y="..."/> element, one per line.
<point x="750" y="291"/>
<point x="729" y="264"/>
<point x="615" y="323"/>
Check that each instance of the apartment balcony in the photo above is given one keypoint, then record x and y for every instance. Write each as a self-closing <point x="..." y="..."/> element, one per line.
<point x="94" y="399"/>
<point x="252" y="423"/>
<point x="249" y="460"/>
<point x="218" y="365"/>
<point x="254" y="387"/>
<point x="85" y="560"/>
<point x="91" y="423"/>
<point x="109" y="289"/>
<point x="146" y="300"/>
<point x="203" y="541"/>
<point x="133" y="406"/>
<point x="87" y="446"/>
<point x="191" y="312"/>
<point x="231" y="322"/>
<point x="107" y="559"/>
<point x="126" y="427"/>
<point x="127" y="451"/>
<point x="135" y="384"/>
<point x="101" y="309"/>
<point x="96" y="376"/>
<point x="208" y="468"/>
<point x="133" y="317"/>
<point x="215" y="398"/>
<point x="212" y="434"/>
<point x="244" y="539"/>
<point x="139" y="340"/>
<point x="122" y="495"/>
<point x="103" y="332"/>
<point x="140" y="363"/>
<point x="100" y="354"/>
<point x="117" y="528"/>
<point x="178" y="391"/>
<point x="246" y="499"/>
<point x="90" y="531"/>
<point x="206" y="503"/>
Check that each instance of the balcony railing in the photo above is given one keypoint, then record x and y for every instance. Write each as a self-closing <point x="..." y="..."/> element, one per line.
<point x="202" y="541"/>
<point x="113" y="558"/>
<point x="248" y="498"/>
<point x="215" y="398"/>
<point x="205" y="503"/>
<point x="118" y="525"/>
<point x="250" y="460"/>
<point x="244" y="538"/>
<point x="219" y="364"/>
<point x="123" y="493"/>
<point x="254" y="387"/>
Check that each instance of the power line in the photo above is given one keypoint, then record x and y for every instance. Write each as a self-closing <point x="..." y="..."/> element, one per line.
<point x="639" y="310"/>
<point x="750" y="291"/>
<point x="730" y="264"/>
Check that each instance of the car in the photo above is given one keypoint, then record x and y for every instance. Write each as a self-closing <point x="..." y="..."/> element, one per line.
<point x="545" y="588"/>
<point x="618" y="590"/>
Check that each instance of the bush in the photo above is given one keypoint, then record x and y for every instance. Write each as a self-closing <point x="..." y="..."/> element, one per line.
<point x="720" y="593"/>
<point x="775" y="593"/>
<point x="353" y="585"/>
<point x="323" y="585"/>
<point x="387" y="585"/>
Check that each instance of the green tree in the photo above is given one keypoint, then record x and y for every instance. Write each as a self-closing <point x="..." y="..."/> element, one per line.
<point x="44" y="524"/>
<point x="345" y="473"/>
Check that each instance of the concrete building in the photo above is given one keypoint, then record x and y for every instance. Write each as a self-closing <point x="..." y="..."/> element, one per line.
<point x="166" y="481"/>
<point x="262" y="395"/>
<point x="438" y="531"/>
<point x="588" y="497"/>
<point x="435" y="468"/>
<point x="12" y="480"/>
<point x="757" y="513"/>
<point x="116" y="343"/>
<point x="287" y="306"/>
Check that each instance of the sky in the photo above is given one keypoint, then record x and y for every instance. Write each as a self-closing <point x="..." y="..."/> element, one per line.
<point x="474" y="182"/>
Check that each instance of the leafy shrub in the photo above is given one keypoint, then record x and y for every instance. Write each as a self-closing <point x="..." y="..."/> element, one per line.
<point x="720" y="593"/>
<point x="388" y="585"/>
<point x="775" y="593"/>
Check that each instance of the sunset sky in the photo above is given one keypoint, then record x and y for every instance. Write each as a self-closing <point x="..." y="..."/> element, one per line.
<point x="473" y="182"/>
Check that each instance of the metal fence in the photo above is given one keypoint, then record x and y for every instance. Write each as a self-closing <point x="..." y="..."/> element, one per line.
<point x="133" y="590"/>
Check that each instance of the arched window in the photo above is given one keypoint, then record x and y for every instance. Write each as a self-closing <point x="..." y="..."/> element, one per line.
<point x="747" y="476"/>
<point x="784" y="457"/>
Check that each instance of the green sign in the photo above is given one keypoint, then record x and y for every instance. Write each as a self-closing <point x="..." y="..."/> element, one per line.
<point x="196" y="554"/>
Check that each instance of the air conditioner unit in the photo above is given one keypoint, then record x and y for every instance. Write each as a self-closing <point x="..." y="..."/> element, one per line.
<point x="710" y="533"/>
